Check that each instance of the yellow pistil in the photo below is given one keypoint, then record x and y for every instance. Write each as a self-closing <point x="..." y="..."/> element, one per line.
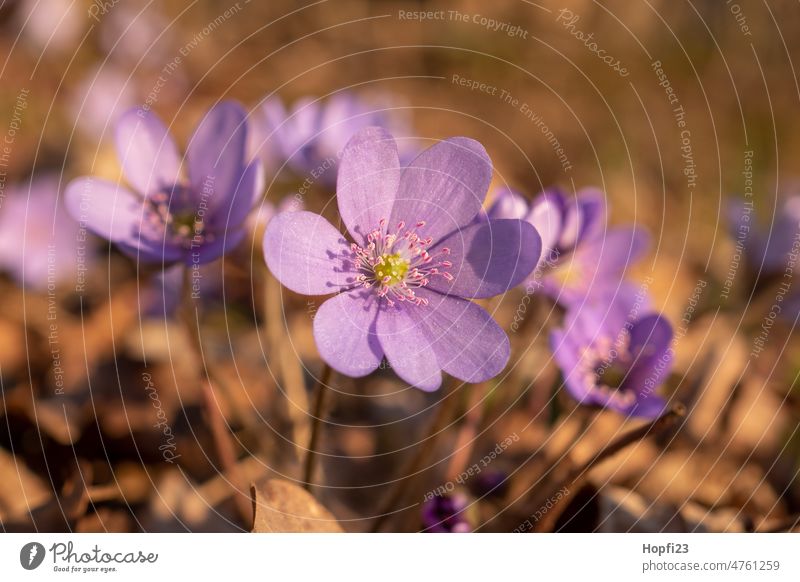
<point x="186" y="224"/>
<point x="391" y="269"/>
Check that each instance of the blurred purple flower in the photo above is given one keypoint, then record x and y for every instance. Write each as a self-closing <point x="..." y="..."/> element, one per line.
<point x="310" y="136"/>
<point x="767" y="245"/>
<point x="490" y="483"/>
<point x="161" y="296"/>
<point x="445" y="514"/>
<point x="404" y="282"/>
<point x="613" y="356"/>
<point x="580" y="256"/>
<point x="101" y="96"/>
<point x="40" y="244"/>
<point x="54" y="26"/>
<point x="192" y="220"/>
<point x="134" y="31"/>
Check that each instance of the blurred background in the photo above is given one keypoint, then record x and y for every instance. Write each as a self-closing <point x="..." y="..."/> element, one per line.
<point x="690" y="106"/>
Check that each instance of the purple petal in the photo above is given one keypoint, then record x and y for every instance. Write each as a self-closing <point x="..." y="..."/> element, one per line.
<point x="403" y="340"/>
<point x="567" y="348"/>
<point x="147" y="152"/>
<point x="605" y="313"/>
<point x="237" y="207"/>
<point x="649" y="406"/>
<point x="547" y="216"/>
<point x="105" y="208"/>
<point x="264" y="138"/>
<point x="344" y="330"/>
<point x="616" y="251"/>
<point x="307" y="254"/>
<point x="488" y="258"/>
<point x="650" y="339"/>
<point x="369" y="175"/>
<point x="466" y="340"/>
<point x="216" y="154"/>
<point x="508" y="204"/>
<point x="444" y="187"/>
<point x="209" y="251"/>
<point x="155" y="252"/>
<point x="597" y="266"/>
<point x="583" y="218"/>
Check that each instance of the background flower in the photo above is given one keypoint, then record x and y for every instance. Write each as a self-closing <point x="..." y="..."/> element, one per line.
<point x="192" y="219"/>
<point x="40" y="243"/>
<point x="310" y="136"/>
<point x="614" y="356"/>
<point x="580" y="256"/>
<point x="445" y="514"/>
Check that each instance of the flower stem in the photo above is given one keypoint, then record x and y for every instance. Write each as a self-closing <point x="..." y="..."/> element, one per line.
<point x="320" y="398"/>
<point x="220" y="430"/>
<point x="419" y="461"/>
<point x="575" y="477"/>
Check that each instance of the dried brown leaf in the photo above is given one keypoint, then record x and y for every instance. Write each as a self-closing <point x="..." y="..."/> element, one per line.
<point x="281" y="506"/>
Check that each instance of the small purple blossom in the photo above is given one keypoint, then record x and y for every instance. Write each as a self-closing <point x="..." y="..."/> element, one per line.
<point x="133" y="33"/>
<point x="445" y="514"/>
<point x="772" y="249"/>
<point x="614" y="357"/>
<point x="40" y="244"/>
<point x="766" y="245"/>
<point x="310" y="136"/>
<point x="192" y="217"/>
<point x="580" y="256"/>
<point x="402" y="284"/>
<point x="100" y="98"/>
<point x="54" y="26"/>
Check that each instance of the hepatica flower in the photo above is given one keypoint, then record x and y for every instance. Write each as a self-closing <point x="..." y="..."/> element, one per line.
<point x="40" y="244"/>
<point x="767" y="244"/>
<point x="310" y="136"/>
<point x="580" y="255"/>
<point x="191" y="215"/>
<point x="403" y="281"/>
<point x="446" y="514"/>
<point x="613" y="357"/>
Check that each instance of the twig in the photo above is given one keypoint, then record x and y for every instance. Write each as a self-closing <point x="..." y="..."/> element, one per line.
<point x="220" y="431"/>
<point x="320" y="396"/>
<point x="577" y="474"/>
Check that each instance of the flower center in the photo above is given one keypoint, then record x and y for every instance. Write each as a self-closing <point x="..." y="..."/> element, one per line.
<point x="185" y="227"/>
<point x="396" y="262"/>
<point x="605" y="366"/>
<point x="613" y="375"/>
<point x="391" y="269"/>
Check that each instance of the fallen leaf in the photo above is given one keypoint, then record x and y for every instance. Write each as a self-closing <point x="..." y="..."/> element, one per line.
<point x="281" y="506"/>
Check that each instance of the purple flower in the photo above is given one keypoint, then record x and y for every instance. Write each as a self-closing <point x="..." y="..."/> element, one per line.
<point x="445" y="514"/>
<point x="40" y="244"/>
<point x="612" y="356"/>
<point x="133" y="32"/>
<point x="54" y="26"/>
<point x="192" y="219"/>
<point x="767" y="246"/>
<point x="580" y="256"/>
<point x="311" y="135"/>
<point x="404" y="280"/>
<point x="101" y="96"/>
